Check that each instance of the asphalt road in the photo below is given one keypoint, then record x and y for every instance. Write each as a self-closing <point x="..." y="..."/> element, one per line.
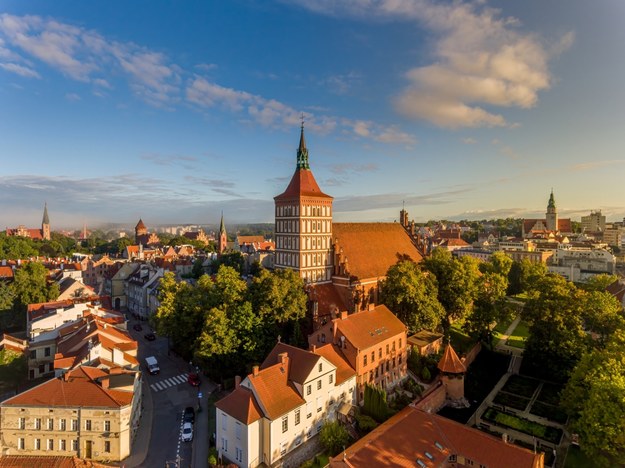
<point x="171" y="393"/>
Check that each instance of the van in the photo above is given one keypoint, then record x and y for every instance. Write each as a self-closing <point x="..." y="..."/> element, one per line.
<point x="152" y="364"/>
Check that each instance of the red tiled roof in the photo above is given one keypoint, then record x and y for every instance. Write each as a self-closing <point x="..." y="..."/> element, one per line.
<point x="35" y="311"/>
<point x="241" y="405"/>
<point x="407" y="436"/>
<point x="454" y="242"/>
<point x="303" y="184"/>
<point x="450" y="362"/>
<point x="77" y="388"/>
<point x="250" y="239"/>
<point x="28" y="461"/>
<point x="370" y="327"/>
<point x="372" y="248"/>
<point x="301" y="362"/>
<point x="276" y="395"/>
<point x="328" y="299"/>
<point x="333" y="354"/>
<point x="6" y="272"/>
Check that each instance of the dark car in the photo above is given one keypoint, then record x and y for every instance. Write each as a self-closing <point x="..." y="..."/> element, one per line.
<point x="137" y="326"/>
<point x="194" y="379"/>
<point x="189" y="415"/>
<point x="149" y="336"/>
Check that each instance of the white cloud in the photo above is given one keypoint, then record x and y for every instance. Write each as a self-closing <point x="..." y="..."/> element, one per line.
<point x="73" y="97"/>
<point x="20" y="70"/>
<point x="469" y="141"/>
<point x="480" y="59"/>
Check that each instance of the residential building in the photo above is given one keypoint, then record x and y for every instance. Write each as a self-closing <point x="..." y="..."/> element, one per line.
<point x="282" y="404"/>
<point x="137" y="288"/>
<point x="87" y="413"/>
<point x="594" y="222"/>
<point x="374" y="343"/>
<point x="417" y="438"/>
<point x="115" y="283"/>
<point x="577" y="264"/>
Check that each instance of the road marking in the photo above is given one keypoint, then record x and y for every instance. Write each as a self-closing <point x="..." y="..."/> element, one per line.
<point x="166" y="383"/>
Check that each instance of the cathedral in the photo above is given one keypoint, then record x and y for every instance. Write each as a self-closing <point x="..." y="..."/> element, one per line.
<point x="37" y="234"/>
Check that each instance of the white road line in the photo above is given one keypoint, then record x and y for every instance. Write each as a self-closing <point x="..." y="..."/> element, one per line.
<point x="179" y="379"/>
<point x="153" y="387"/>
<point x="160" y="385"/>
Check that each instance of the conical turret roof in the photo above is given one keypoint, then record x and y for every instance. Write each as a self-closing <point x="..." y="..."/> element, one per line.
<point x="140" y="224"/>
<point x="450" y="363"/>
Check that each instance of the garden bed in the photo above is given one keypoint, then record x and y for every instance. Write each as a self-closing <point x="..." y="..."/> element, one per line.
<point x="519" y="385"/>
<point x="553" y="413"/>
<point x="512" y="401"/>
<point x="550" y="394"/>
<point x="548" y="433"/>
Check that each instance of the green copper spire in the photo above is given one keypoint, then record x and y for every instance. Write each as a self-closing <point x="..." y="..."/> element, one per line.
<point x="46" y="219"/>
<point x="552" y="201"/>
<point x="302" y="152"/>
<point x="222" y="227"/>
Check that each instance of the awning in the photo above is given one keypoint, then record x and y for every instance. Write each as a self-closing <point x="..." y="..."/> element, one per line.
<point x="345" y="409"/>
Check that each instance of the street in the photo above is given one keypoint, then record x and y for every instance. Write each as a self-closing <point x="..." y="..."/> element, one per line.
<point x="170" y="395"/>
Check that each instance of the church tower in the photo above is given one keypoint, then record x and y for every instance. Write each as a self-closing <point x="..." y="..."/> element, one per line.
<point x="303" y="229"/>
<point x="222" y="242"/>
<point x="140" y="231"/>
<point x="551" y="217"/>
<point x="45" y="224"/>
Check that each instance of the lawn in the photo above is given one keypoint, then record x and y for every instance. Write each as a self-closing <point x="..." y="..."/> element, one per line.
<point x="550" y="394"/>
<point x="519" y="335"/>
<point x="500" y="329"/>
<point x="511" y="401"/>
<point x="519" y="385"/>
<point x="460" y="341"/>
<point x="553" y="413"/>
<point x="550" y="434"/>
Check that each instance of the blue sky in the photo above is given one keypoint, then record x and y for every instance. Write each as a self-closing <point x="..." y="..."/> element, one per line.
<point x="175" y="111"/>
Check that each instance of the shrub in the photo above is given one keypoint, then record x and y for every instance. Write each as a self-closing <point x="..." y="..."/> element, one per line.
<point x="212" y="456"/>
<point x="333" y="437"/>
<point x="375" y="404"/>
<point x="365" y="423"/>
<point x="425" y="374"/>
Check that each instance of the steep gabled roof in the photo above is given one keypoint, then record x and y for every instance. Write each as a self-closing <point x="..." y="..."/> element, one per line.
<point x="450" y="362"/>
<point x="276" y="395"/>
<point x="372" y="248"/>
<point x="333" y="354"/>
<point x="301" y="362"/>
<point x="241" y="405"/>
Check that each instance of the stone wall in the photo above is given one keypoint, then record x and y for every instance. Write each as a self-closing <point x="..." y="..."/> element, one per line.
<point x="432" y="400"/>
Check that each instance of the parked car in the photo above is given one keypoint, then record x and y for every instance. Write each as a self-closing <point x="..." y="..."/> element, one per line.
<point x="187" y="432"/>
<point x="189" y="415"/>
<point x="149" y="336"/>
<point x="137" y="327"/>
<point x="194" y="379"/>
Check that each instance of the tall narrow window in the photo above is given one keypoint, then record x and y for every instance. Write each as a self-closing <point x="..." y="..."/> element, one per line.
<point x="285" y="423"/>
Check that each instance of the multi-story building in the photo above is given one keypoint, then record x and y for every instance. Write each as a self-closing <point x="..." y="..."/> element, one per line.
<point x="137" y="288"/>
<point x="594" y="222"/>
<point x="374" y="342"/>
<point x="87" y="413"/>
<point x="578" y="264"/>
<point x="282" y="404"/>
<point x="115" y="283"/>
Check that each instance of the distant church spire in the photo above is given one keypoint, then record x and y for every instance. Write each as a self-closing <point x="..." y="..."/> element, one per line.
<point x="45" y="223"/>
<point x="46" y="218"/>
<point x="302" y="151"/>
<point x="552" y="201"/>
<point x="222" y="242"/>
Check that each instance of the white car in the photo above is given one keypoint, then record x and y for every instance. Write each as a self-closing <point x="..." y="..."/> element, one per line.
<point x="187" y="432"/>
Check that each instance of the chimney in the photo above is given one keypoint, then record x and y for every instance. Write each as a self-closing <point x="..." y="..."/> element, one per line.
<point x="255" y="371"/>
<point x="104" y="383"/>
<point x="344" y="314"/>
<point x="237" y="381"/>
<point x="283" y="358"/>
<point x="313" y="348"/>
<point x="371" y="306"/>
<point x="66" y="376"/>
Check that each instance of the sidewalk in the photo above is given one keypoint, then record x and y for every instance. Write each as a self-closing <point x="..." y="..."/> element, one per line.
<point x="141" y="444"/>
<point x="502" y="346"/>
<point x="199" y="456"/>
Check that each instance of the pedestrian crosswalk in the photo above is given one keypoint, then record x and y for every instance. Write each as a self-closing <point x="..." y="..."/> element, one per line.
<point x="170" y="382"/>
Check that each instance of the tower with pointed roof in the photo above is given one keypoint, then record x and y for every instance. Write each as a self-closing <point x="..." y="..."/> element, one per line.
<point x="551" y="217"/>
<point x="303" y="223"/>
<point x="45" y="223"/>
<point x="452" y="374"/>
<point x="222" y="243"/>
<point x="140" y="231"/>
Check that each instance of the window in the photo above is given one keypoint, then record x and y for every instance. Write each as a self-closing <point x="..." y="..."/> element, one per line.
<point x="372" y="356"/>
<point x="61" y="424"/>
<point x="237" y="430"/>
<point x="32" y="354"/>
<point x="387" y="348"/>
<point x="285" y="423"/>
<point x="37" y="444"/>
<point x="331" y="378"/>
<point x="20" y="444"/>
<point x="38" y="423"/>
<point x="239" y="455"/>
<point x="224" y="422"/>
<point x="400" y="343"/>
<point x="74" y="424"/>
<point x="370" y="376"/>
<point x="282" y="448"/>
<point x="320" y="367"/>
<point x="380" y="353"/>
<point x="107" y="426"/>
<point x="365" y="360"/>
<point x="50" y="444"/>
<point x="46" y="351"/>
<point x="107" y="446"/>
<point x="319" y="384"/>
<point x="22" y="423"/>
<point x="297" y="417"/>
<point x="50" y="424"/>
<point x="42" y="368"/>
<point x="62" y="445"/>
<point x="75" y="445"/>
<point x="469" y="462"/>
<point x="224" y="444"/>
<point x="308" y="389"/>
<point x="87" y="424"/>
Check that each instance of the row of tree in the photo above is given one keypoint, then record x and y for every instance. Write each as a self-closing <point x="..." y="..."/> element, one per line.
<point x="225" y="323"/>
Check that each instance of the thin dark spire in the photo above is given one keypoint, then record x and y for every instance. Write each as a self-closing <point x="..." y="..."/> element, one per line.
<point x="302" y="151"/>
<point x="46" y="218"/>
<point x="222" y="227"/>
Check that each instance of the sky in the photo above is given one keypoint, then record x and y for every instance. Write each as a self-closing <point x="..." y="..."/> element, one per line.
<point x="173" y="112"/>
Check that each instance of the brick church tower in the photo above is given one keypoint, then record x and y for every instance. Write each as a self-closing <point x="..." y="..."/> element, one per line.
<point x="303" y="229"/>
<point x="222" y="242"/>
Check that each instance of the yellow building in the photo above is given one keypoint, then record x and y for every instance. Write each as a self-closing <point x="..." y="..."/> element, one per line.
<point x="88" y="413"/>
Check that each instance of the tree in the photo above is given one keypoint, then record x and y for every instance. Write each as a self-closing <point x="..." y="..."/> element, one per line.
<point x="490" y="306"/>
<point x="31" y="285"/>
<point x="457" y="279"/>
<point x="601" y="313"/>
<point x="13" y="368"/>
<point x="375" y="404"/>
<point x="598" y="282"/>
<point x="333" y="437"/>
<point x="279" y="295"/>
<point x="593" y="397"/>
<point x="412" y="296"/>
